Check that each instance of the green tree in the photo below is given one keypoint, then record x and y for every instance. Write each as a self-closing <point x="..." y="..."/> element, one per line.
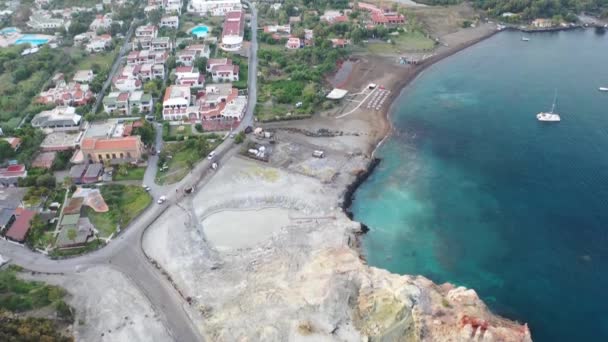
<point x="72" y="234"/>
<point x="6" y="150"/>
<point x="154" y="16"/>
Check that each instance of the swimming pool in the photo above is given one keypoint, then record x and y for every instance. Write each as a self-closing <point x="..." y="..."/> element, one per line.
<point x="32" y="40"/>
<point x="8" y="30"/>
<point x="200" y="31"/>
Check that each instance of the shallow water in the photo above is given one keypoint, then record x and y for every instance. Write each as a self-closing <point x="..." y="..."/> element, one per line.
<point x="474" y="190"/>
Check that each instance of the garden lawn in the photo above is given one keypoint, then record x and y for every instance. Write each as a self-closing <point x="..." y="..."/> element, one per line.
<point x="184" y="130"/>
<point x="133" y="173"/>
<point x="125" y="203"/>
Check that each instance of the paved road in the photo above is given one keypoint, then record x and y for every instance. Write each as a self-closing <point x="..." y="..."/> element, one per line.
<point x="125" y="252"/>
<point x="123" y="50"/>
<point x="252" y="77"/>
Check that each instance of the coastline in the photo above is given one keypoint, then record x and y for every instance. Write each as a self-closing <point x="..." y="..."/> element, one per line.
<point x="400" y="84"/>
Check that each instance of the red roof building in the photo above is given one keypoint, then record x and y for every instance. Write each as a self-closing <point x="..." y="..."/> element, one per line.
<point x="19" y="229"/>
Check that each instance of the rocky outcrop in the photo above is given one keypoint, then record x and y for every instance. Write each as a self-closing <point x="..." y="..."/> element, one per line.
<point x="389" y="307"/>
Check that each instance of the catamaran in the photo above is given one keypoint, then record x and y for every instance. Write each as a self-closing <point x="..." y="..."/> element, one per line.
<point x="550" y="116"/>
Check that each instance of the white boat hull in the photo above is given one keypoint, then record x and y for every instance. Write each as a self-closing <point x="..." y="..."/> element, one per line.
<point x="603" y="89"/>
<point x="548" y="117"/>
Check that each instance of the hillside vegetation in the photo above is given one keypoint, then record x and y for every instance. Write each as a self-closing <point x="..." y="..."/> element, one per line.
<point x="530" y="9"/>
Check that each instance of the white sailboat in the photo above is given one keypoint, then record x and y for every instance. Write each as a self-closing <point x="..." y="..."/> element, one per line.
<point x="525" y="39"/>
<point x="550" y="116"/>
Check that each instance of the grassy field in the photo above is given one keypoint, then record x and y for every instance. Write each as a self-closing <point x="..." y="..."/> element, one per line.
<point x="180" y="163"/>
<point x="184" y="130"/>
<point x="18" y="295"/>
<point x="104" y="60"/>
<point x="132" y="173"/>
<point x="405" y="42"/>
<point x="125" y="203"/>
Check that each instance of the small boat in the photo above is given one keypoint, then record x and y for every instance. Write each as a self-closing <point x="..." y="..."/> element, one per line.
<point x="525" y="39"/>
<point x="550" y="116"/>
<point x="603" y="88"/>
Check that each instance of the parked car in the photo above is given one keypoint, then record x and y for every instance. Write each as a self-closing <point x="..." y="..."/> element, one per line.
<point x="161" y="199"/>
<point x="189" y="190"/>
<point x="211" y="155"/>
<point x="147" y="188"/>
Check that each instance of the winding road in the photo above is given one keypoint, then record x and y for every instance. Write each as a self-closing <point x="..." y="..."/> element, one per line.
<point x="125" y="253"/>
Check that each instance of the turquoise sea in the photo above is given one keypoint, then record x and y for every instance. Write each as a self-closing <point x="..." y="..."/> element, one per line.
<point x="473" y="190"/>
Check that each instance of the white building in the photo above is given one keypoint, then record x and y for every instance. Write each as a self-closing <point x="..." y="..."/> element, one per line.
<point x="99" y="43"/>
<point x="214" y="7"/>
<point x="61" y="116"/>
<point x="176" y="103"/>
<point x="188" y="55"/>
<point x="173" y="6"/>
<point x="225" y="73"/>
<point x="189" y="76"/>
<point x="83" y="76"/>
<point x="170" y="21"/>
<point x="233" y="31"/>
<point x="101" y="22"/>
<point x="40" y="21"/>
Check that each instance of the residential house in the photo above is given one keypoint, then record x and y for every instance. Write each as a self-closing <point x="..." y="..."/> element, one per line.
<point x="114" y="150"/>
<point x="161" y="44"/>
<point x="82" y="232"/>
<point x="150" y="71"/>
<point x="58" y="117"/>
<point x="92" y="174"/>
<point x="147" y="31"/>
<point x="170" y="22"/>
<point x="278" y="29"/>
<point x="295" y="20"/>
<point x="220" y="107"/>
<point x="127" y="84"/>
<point x="147" y="56"/>
<point x="225" y="73"/>
<point x="387" y="18"/>
<point x="189" y="76"/>
<point x="99" y="43"/>
<point x="294" y="43"/>
<point x="334" y="17"/>
<point x="217" y="61"/>
<point x="10" y="174"/>
<point x="10" y="200"/>
<point x="173" y="6"/>
<point x="66" y="94"/>
<point x="188" y="55"/>
<point x="19" y="229"/>
<point x="143" y="37"/>
<point x="339" y="43"/>
<point x="176" y="103"/>
<point x="103" y="22"/>
<point x="124" y="102"/>
<point x="214" y="7"/>
<point x="76" y="173"/>
<point x="83" y="76"/>
<point x="542" y="23"/>
<point x="233" y="31"/>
